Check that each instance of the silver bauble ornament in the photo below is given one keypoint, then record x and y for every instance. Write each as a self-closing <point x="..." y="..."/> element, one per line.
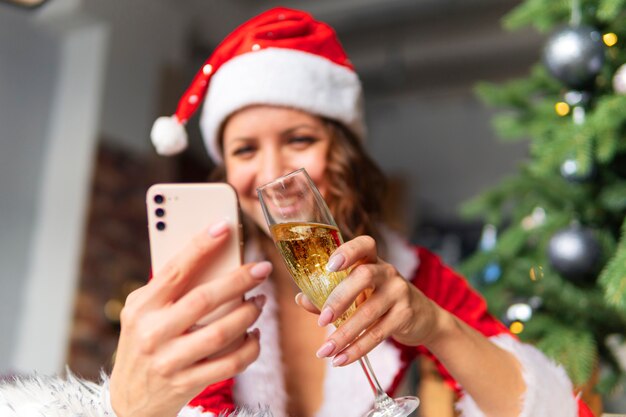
<point x="575" y="253"/>
<point x="575" y="55"/>
<point x="619" y="80"/>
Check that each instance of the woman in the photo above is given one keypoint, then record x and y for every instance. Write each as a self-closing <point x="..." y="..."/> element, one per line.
<point x="280" y="95"/>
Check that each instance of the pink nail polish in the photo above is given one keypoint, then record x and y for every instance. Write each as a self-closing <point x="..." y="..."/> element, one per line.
<point x="218" y="228"/>
<point x="326" y="350"/>
<point x="261" y="270"/>
<point x="335" y="262"/>
<point x="340" y="359"/>
<point x="325" y="317"/>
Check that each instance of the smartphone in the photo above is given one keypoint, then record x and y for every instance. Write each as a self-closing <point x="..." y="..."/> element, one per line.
<point x="178" y="212"/>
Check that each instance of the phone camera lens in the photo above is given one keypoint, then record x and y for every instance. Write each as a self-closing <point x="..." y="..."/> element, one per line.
<point x="160" y="226"/>
<point x="159" y="212"/>
<point x="158" y="199"/>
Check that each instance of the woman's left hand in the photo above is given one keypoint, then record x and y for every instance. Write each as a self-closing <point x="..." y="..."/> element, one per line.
<point x="395" y="308"/>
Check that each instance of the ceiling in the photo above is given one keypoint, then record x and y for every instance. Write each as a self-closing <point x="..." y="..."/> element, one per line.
<point x="396" y="45"/>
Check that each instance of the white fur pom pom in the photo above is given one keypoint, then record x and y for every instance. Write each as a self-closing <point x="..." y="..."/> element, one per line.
<point x="169" y="136"/>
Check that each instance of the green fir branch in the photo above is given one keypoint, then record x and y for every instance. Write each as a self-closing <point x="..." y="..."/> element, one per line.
<point x="607" y="243"/>
<point x="583" y="152"/>
<point x="513" y="94"/>
<point x="542" y="14"/>
<point x="540" y="325"/>
<point x="609" y="10"/>
<point x="510" y="242"/>
<point x="613" y="276"/>
<point x="613" y="196"/>
<point x="510" y="127"/>
<point x="520" y="93"/>
<point x="575" y="349"/>
<point x="607" y="122"/>
<point x="606" y="146"/>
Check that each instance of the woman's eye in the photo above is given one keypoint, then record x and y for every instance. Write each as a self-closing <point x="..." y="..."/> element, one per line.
<point x="243" y="150"/>
<point x="302" y="140"/>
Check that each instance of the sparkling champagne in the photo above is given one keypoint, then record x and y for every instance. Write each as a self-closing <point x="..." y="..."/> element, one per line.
<point x="305" y="248"/>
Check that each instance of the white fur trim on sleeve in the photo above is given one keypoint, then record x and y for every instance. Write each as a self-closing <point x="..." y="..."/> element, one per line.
<point x="105" y="400"/>
<point x="105" y="396"/>
<point x="240" y="412"/>
<point x="549" y="391"/>
<point x="51" y="396"/>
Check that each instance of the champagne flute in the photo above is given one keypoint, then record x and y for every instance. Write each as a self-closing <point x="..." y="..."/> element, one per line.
<point x="306" y="234"/>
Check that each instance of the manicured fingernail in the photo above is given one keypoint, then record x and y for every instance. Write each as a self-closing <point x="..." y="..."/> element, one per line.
<point x="325" y="317"/>
<point x="298" y="298"/>
<point x="218" y="228"/>
<point x="335" y="262"/>
<point x="261" y="270"/>
<point x="326" y="349"/>
<point x="340" y="359"/>
<point x="260" y="300"/>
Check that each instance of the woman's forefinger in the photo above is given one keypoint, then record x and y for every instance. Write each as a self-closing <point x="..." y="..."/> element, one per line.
<point x="360" y="249"/>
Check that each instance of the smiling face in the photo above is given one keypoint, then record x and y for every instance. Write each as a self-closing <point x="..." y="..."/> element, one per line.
<point x="262" y="143"/>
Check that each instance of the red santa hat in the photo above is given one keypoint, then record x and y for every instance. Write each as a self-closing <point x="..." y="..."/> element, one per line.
<point x="282" y="57"/>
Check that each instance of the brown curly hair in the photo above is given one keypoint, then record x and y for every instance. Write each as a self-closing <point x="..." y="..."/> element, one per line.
<point x="356" y="185"/>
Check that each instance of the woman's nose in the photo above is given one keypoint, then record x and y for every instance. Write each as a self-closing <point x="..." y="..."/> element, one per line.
<point x="272" y="166"/>
<point x="270" y="169"/>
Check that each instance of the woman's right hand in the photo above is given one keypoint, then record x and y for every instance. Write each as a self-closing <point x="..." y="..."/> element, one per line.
<point x="160" y="366"/>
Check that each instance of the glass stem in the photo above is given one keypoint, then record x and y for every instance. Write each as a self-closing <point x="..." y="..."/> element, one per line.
<point x="382" y="400"/>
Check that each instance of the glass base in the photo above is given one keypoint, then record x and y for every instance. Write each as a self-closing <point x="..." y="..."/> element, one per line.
<point x="398" y="407"/>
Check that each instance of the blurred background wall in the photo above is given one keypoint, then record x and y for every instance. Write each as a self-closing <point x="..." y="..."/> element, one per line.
<point x="81" y="82"/>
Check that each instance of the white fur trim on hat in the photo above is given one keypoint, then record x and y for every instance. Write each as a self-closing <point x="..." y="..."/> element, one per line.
<point x="549" y="391"/>
<point x="281" y="77"/>
<point x="168" y="135"/>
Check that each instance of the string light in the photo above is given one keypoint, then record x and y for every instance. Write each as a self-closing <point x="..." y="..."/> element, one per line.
<point x="516" y="327"/>
<point x="609" y="39"/>
<point x="536" y="273"/>
<point x="561" y="108"/>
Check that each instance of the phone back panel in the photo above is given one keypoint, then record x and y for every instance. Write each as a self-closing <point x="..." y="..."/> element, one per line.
<point x="184" y="210"/>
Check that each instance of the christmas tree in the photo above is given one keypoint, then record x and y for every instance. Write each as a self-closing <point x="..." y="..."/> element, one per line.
<point x="556" y="273"/>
